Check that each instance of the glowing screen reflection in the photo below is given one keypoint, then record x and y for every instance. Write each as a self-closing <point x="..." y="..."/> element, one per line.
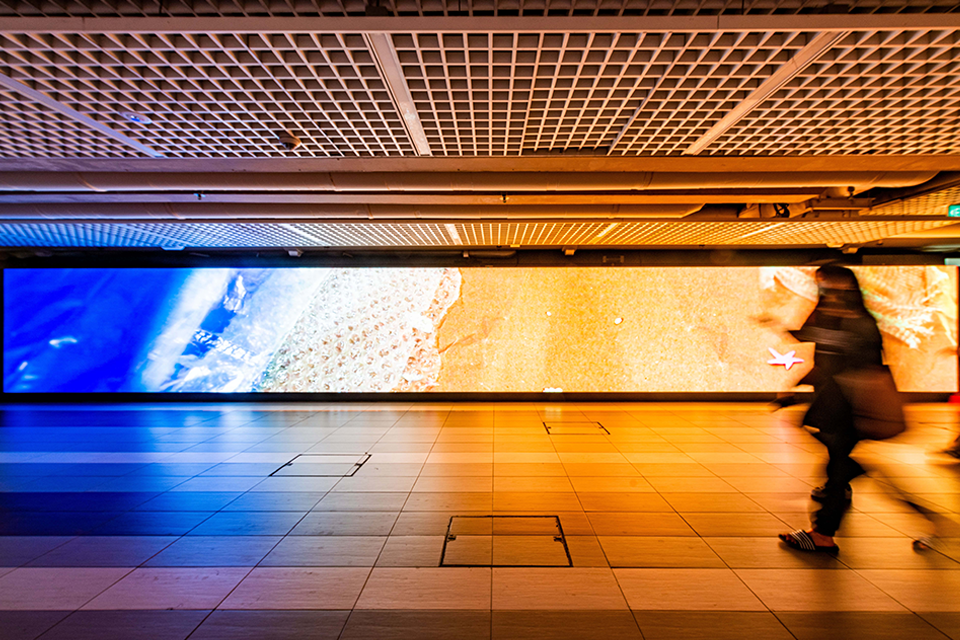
<point x="445" y="329"/>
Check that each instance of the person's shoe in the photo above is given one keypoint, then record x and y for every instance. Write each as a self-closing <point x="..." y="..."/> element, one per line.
<point x="926" y="543"/>
<point x="820" y="493"/>
<point x="803" y="541"/>
<point x="782" y="402"/>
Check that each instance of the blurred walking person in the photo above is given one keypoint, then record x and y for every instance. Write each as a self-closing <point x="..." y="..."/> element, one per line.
<point x="848" y="350"/>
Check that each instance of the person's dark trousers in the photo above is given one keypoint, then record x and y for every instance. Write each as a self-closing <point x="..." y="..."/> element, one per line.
<point x="841" y="469"/>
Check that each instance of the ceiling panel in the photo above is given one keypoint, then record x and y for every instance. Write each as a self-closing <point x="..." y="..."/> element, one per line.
<point x="28" y="128"/>
<point x="645" y="93"/>
<point x="886" y="92"/>
<point x="219" y="95"/>
<point x="493" y="93"/>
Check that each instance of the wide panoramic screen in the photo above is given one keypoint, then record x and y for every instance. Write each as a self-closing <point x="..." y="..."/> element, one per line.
<point x="325" y="330"/>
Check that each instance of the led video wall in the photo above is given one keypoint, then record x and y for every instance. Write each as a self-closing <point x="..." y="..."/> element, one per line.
<point x="328" y="330"/>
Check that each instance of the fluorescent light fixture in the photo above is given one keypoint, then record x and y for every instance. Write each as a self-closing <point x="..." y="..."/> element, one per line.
<point x="610" y="227"/>
<point x="452" y="232"/>
<point x="763" y="229"/>
<point x="136" y="118"/>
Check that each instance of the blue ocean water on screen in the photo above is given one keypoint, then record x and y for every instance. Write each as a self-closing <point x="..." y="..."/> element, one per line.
<point x="81" y="330"/>
<point x="135" y="330"/>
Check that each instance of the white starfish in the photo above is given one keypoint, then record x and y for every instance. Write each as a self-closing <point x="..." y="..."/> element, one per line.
<point x="786" y="359"/>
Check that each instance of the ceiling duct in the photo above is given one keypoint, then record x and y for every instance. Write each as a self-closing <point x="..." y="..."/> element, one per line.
<point x="449" y="181"/>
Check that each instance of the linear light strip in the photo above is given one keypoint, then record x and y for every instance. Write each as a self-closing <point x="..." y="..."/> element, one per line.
<point x="453" y="233"/>
<point x="392" y="72"/>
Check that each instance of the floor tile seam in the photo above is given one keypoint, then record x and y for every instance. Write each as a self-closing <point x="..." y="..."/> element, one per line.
<point x="224" y="433"/>
<point x="55" y="624"/>
<point x="492" y="593"/>
<point x="737" y="445"/>
<point x="142" y="565"/>
<point x="704" y="540"/>
<point x="124" y="513"/>
<point x="105" y="589"/>
<point x="273" y="548"/>
<point x="289" y="531"/>
<point x="623" y="594"/>
<point x="407" y="499"/>
<point x="392" y="527"/>
<point x="196" y="444"/>
<point x="862" y="577"/>
<point x="580" y="503"/>
<point x="26" y="564"/>
<point x="346" y="621"/>
<point x="210" y="612"/>
<point x="920" y="615"/>
<point x="726" y="564"/>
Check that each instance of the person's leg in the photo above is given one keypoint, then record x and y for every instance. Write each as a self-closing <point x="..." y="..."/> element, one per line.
<point x="841" y="469"/>
<point x="840" y="466"/>
<point x="954" y="448"/>
<point x="939" y="522"/>
<point x="832" y="415"/>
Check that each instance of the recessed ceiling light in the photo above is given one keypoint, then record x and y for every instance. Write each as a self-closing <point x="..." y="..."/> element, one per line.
<point x="136" y="118"/>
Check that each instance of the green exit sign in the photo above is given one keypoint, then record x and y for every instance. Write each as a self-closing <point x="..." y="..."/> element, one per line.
<point x="954" y="211"/>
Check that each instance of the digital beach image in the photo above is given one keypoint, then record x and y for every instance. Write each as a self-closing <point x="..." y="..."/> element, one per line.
<point x="595" y="329"/>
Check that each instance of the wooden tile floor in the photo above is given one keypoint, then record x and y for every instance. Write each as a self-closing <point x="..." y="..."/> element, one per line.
<point x="168" y="522"/>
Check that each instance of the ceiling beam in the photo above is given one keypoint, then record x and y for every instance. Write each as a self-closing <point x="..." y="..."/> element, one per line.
<point x="481" y="24"/>
<point x="556" y="163"/>
<point x="42" y="98"/>
<point x="492" y="200"/>
<point x="787" y="72"/>
<point x="452" y="182"/>
<point x="191" y="212"/>
<point x="388" y="63"/>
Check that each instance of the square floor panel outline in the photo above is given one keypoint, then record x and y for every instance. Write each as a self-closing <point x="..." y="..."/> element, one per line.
<point x="539" y="532"/>
<point x="314" y="460"/>
<point x="575" y="428"/>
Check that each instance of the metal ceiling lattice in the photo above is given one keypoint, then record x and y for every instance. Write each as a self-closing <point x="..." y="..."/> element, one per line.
<point x="478" y="234"/>
<point x="28" y="128"/>
<point x="489" y="94"/>
<point x="645" y="93"/>
<point x="458" y="7"/>
<point x="875" y="92"/>
<point x="218" y="95"/>
<point x="373" y="235"/>
<point x="930" y="204"/>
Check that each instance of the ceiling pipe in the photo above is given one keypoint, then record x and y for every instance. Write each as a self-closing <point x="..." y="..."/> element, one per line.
<point x="944" y="180"/>
<point x="473" y="198"/>
<point x="449" y="181"/>
<point x="553" y="162"/>
<point x="207" y="211"/>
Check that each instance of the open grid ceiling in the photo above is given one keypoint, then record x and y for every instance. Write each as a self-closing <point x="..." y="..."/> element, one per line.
<point x="487" y="94"/>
